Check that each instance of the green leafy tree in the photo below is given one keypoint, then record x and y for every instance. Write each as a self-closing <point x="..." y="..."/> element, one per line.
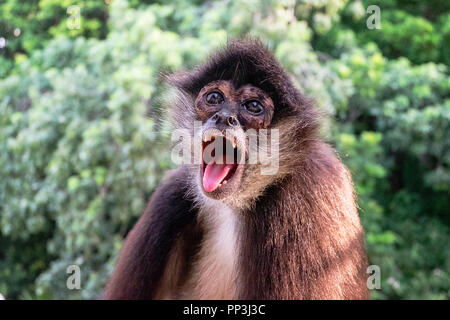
<point x="84" y="139"/>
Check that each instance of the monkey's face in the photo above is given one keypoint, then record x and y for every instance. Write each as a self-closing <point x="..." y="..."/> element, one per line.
<point x="227" y="114"/>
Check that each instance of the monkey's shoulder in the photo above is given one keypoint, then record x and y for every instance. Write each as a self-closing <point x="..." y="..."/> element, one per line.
<point x="172" y="197"/>
<point x="321" y="177"/>
<point x="324" y="166"/>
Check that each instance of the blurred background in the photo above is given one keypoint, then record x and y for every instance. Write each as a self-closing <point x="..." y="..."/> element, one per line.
<point x="83" y="143"/>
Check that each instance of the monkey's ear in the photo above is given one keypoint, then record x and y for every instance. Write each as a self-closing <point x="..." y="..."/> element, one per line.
<point x="175" y="79"/>
<point x="180" y="81"/>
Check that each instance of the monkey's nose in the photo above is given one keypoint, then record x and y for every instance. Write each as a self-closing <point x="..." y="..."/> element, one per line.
<point x="232" y="121"/>
<point x="225" y="118"/>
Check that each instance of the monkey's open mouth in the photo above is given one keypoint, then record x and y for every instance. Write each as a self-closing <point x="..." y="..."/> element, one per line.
<point x="220" y="157"/>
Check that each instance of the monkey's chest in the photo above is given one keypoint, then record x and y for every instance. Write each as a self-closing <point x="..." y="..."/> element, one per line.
<point x="214" y="270"/>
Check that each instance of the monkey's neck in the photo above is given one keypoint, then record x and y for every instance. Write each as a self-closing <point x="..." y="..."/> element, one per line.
<point x="214" y="274"/>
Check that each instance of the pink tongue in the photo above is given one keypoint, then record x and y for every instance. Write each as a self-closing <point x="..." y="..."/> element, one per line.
<point x="214" y="174"/>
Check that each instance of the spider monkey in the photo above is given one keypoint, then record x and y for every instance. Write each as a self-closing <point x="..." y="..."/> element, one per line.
<point x="219" y="230"/>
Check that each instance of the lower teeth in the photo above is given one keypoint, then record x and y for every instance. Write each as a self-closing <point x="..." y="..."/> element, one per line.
<point x="222" y="183"/>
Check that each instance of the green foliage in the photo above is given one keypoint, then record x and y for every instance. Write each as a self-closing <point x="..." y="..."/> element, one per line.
<point x="82" y="145"/>
<point x="417" y="30"/>
<point x="29" y="25"/>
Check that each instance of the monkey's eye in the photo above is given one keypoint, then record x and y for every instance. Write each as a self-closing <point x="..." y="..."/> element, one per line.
<point x="253" y="107"/>
<point x="214" y="98"/>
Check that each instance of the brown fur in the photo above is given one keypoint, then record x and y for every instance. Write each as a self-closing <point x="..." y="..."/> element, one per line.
<point x="293" y="235"/>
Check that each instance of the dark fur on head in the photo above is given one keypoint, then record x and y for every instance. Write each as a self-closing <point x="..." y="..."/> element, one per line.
<point x="244" y="61"/>
<point x="247" y="61"/>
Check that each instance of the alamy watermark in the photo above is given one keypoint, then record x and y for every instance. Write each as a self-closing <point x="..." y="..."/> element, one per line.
<point x="258" y="147"/>
<point x="374" y="280"/>
<point x="74" y="19"/>
<point x="74" y="280"/>
<point x="374" y="20"/>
